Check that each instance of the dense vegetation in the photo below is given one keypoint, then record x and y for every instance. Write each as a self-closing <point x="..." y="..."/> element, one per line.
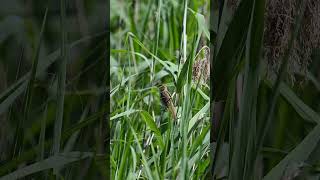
<point x="268" y="125"/>
<point x="53" y="81"/>
<point x="159" y="48"/>
<point x="199" y="89"/>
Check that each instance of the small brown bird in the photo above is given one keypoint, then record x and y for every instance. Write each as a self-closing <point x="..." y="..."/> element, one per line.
<point x="167" y="100"/>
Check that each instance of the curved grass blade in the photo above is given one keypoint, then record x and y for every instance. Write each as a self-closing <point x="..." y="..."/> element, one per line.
<point x="171" y="67"/>
<point x="298" y="155"/>
<point x="301" y="108"/>
<point x="153" y="127"/>
<point x="197" y="116"/>
<point x="56" y="161"/>
<point x="200" y="140"/>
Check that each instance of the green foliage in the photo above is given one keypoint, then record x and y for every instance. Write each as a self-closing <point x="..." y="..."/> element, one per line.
<point x="250" y="115"/>
<point x="51" y="105"/>
<point x="158" y="44"/>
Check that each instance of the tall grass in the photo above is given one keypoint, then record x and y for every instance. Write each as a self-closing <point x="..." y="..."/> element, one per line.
<point x="245" y="131"/>
<point x="159" y="44"/>
<point x="50" y="112"/>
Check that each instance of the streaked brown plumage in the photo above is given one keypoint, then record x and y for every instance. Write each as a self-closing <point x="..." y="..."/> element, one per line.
<point x="167" y="100"/>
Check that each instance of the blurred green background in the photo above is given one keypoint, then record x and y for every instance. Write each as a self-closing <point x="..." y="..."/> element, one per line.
<point x="29" y="101"/>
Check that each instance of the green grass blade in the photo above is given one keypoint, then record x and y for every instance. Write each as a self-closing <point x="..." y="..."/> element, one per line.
<point x="43" y="134"/>
<point x="144" y="160"/>
<point x="59" y="160"/>
<point x="153" y="127"/>
<point x="186" y="103"/>
<point x="314" y="80"/>
<point x="225" y="62"/>
<point x="125" y="113"/>
<point x="29" y="92"/>
<point x="218" y="152"/>
<point x="200" y="114"/>
<point x="61" y="82"/>
<point x="242" y="158"/>
<point x="298" y="105"/>
<point x="298" y="155"/>
<point x="199" y="140"/>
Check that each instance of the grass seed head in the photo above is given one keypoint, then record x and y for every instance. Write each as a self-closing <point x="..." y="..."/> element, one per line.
<point x="201" y="67"/>
<point x="279" y="21"/>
